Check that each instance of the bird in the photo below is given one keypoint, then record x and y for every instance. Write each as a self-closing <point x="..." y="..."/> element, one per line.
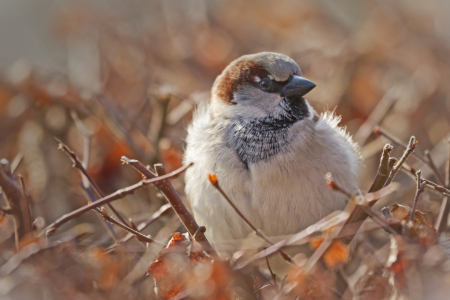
<point x="270" y="151"/>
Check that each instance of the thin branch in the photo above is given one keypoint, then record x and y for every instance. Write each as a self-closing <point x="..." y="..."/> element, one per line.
<point x="139" y="235"/>
<point x="384" y="169"/>
<point x="77" y="164"/>
<point x="335" y="187"/>
<point x="376" y="117"/>
<point x="445" y="206"/>
<point x="433" y="167"/>
<point x="430" y="185"/>
<point x="274" y="278"/>
<point x="18" y="204"/>
<point x="437" y="187"/>
<point x="409" y="150"/>
<point x="352" y="208"/>
<point x="164" y="210"/>
<point x="16" y="162"/>
<point x="215" y="183"/>
<point x="383" y="132"/>
<point x="172" y="197"/>
<point x="420" y="189"/>
<point x="374" y="215"/>
<point x="119" y="194"/>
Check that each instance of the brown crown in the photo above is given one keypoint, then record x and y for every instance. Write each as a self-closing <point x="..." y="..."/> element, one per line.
<point x="234" y="76"/>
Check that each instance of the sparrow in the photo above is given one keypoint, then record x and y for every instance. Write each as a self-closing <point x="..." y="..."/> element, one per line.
<point x="270" y="152"/>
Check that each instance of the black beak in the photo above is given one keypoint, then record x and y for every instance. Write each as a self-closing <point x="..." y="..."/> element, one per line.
<point x="298" y="86"/>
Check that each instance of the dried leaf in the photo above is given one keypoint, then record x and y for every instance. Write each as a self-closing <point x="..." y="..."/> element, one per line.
<point x="372" y="287"/>
<point x="316" y="285"/>
<point x="336" y="254"/>
<point x="402" y="213"/>
<point x="177" y="271"/>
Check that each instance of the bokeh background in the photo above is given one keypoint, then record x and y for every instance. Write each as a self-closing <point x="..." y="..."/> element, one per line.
<point x="133" y="71"/>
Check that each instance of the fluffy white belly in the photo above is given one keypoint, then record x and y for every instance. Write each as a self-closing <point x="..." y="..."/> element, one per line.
<point x="281" y="195"/>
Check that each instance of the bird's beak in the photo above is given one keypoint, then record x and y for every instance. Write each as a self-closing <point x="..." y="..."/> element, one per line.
<point x="298" y="86"/>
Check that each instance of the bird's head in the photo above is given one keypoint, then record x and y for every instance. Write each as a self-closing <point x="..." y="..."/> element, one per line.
<point x="253" y="86"/>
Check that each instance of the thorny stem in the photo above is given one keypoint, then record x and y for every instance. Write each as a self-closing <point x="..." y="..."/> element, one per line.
<point x="215" y="183"/>
<point x="172" y="197"/>
<point x="119" y="194"/>
<point x="420" y="189"/>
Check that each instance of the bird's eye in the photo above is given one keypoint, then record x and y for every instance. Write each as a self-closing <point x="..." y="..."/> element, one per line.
<point x="265" y="84"/>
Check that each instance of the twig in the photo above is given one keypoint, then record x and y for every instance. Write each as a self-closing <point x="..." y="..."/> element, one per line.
<point x="430" y="185"/>
<point x="119" y="194"/>
<point x="16" y="162"/>
<point x="427" y="159"/>
<point x="374" y="215"/>
<point x="77" y="164"/>
<point x="18" y="204"/>
<point x="384" y="169"/>
<point x="383" y="132"/>
<point x="334" y="186"/>
<point x="274" y="278"/>
<point x="215" y="183"/>
<point x="360" y="214"/>
<point x="420" y="189"/>
<point x="172" y="197"/>
<point x="445" y="206"/>
<point x="165" y="209"/>
<point x="433" y="167"/>
<point x="409" y="150"/>
<point x="437" y="187"/>
<point x="376" y="117"/>
<point x="139" y="235"/>
<point x="306" y="234"/>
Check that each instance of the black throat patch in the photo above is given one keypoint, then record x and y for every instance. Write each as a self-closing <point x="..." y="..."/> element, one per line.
<point x="261" y="138"/>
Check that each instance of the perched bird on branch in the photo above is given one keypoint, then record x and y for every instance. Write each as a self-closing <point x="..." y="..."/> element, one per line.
<point x="269" y="149"/>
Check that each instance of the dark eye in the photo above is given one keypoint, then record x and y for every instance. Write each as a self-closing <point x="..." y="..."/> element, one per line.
<point x="265" y="84"/>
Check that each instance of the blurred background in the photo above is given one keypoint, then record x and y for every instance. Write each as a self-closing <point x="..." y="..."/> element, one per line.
<point x="113" y="78"/>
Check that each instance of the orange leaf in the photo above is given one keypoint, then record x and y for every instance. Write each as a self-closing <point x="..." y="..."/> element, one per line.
<point x="336" y="254"/>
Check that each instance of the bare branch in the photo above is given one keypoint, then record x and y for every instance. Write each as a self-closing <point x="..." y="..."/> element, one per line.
<point x="383" y="132"/>
<point x="433" y="167"/>
<point x="172" y="197"/>
<point x="420" y="189"/>
<point x="409" y="150"/>
<point x="334" y="186"/>
<point x="139" y="235"/>
<point x="384" y="169"/>
<point x="445" y="206"/>
<point x="112" y="197"/>
<point x="164" y="210"/>
<point x="18" y="204"/>
<point x="215" y="182"/>
<point x="77" y="164"/>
